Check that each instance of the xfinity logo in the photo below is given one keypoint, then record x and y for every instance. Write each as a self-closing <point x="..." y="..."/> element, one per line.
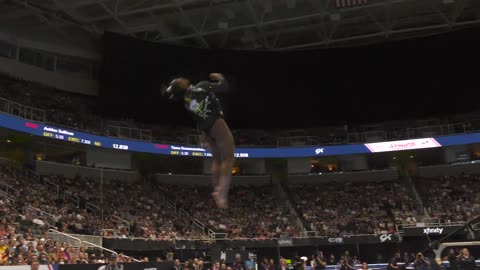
<point x="285" y="242"/>
<point x="430" y="230"/>
<point x="319" y="151"/>
<point x="335" y="240"/>
<point x="385" y="237"/>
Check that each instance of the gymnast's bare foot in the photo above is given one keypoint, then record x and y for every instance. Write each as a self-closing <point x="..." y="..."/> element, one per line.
<point x="221" y="201"/>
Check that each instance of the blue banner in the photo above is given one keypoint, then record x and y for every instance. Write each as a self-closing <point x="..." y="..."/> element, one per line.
<point x="71" y="135"/>
<point x="53" y="132"/>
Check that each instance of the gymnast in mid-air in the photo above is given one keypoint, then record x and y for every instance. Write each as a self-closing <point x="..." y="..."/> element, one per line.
<point x="201" y="101"/>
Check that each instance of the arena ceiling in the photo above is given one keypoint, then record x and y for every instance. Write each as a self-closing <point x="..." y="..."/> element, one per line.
<point x="243" y="24"/>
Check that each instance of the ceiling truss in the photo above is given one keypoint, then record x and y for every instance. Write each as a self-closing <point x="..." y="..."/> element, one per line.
<point x="247" y="24"/>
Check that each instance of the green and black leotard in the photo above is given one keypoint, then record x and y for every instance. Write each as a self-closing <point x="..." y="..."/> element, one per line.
<point x="204" y="105"/>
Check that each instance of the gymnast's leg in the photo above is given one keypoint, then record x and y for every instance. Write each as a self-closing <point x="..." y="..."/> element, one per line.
<point x="216" y="162"/>
<point x="223" y="140"/>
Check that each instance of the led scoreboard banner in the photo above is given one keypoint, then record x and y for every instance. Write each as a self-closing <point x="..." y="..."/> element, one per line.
<point x="53" y="132"/>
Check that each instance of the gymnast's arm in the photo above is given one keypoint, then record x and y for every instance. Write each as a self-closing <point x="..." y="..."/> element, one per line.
<point x="217" y="83"/>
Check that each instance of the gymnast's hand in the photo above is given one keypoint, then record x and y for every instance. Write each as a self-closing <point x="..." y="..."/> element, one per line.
<point x="216" y="76"/>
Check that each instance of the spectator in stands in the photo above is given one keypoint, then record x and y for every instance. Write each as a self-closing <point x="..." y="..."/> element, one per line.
<point x="332" y="260"/>
<point x="452" y="258"/>
<point x="83" y="255"/>
<point x="282" y="265"/>
<point x="238" y="264"/>
<point x="272" y="264"/>
<point x="411" y="220"/>
<point x="35" y="265"/>
<point x="393" y="263"/>
<point x="345" y="263"/>
<point x="43" y="259"/>
<point x="320" y="261"/>
<point x="349" y="258"/>
<point x="356" y="261"/>
<point x="201" y="265"/>
<point x="466" y="261"/>
<point x="216" y="265"/>
<point x="421" y="263"/>
<point x="20" y="260"/>
<point x="3" y="252"/>
<point x="112" y="263"/>
<point x="265" y="265"/>
<point x="177" y="265"/>
<point x="298" y="263"/>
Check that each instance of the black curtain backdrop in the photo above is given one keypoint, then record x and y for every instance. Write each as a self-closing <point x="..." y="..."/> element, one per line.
<point x="388" y="81"/>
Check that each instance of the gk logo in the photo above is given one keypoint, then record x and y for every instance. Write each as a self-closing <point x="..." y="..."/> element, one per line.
<point x="385" y="237"/>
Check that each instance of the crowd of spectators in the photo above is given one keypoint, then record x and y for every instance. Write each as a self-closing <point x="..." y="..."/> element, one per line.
<point x="79" y="206"/>
<point x="331" y="209"/>
<point x="62" y="203"/>
<point x="167" y="211"/>
<point x="450" y="199"/>
<point x="22" y="249"/>
<point x="328" y="209"/>
<point x="61" y="108"/>
<point x="255" y="213"/>
<point x="149" y="217"/>
<point x="334" y="209"/>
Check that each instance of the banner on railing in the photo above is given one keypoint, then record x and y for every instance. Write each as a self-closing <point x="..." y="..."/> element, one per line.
<point x="347" y="240"/>
<point x="71" y="135"/>
<point x="433" y="231"/>
<point x="142" y="245"/>
<point x="285" y="242"/>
